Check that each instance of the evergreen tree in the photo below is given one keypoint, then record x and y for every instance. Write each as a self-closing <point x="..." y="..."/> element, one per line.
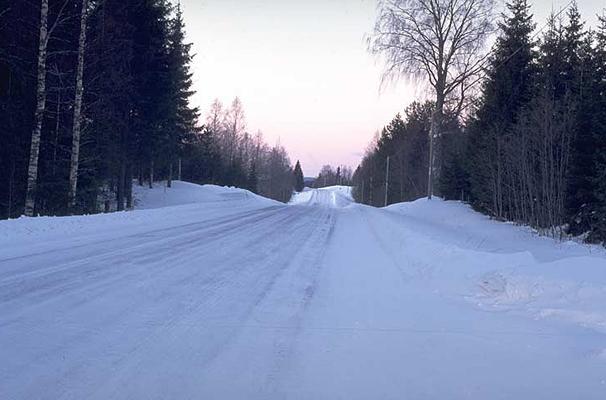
<point x="508" y="88"/>
<point x="110" y="95"/>
<point x="152" y="118"/>
<point x="405" y="141"/>
<point x="581" y="200"/>
<point x="598" y="227"/>
<point x="183" y="117"/>
<point x="551" y="61"/>
<point x="298" y="177"/>
<point x="252" y="183"/>
<point x="18" y="50"/>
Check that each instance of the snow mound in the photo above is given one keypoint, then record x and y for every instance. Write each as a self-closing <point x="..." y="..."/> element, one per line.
<point x="158" y="204"/>
<point x="182" y="193"/>
<point x="511" y="268"/>
<point x="458" y="223"/>
<point x="331" y="196"/>
<point x="569" y="290"/>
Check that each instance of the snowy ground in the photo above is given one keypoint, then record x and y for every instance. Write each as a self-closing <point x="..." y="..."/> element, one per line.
<point x="214" y="293"/>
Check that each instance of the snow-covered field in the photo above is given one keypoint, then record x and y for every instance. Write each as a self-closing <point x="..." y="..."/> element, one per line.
<point x="216" y="293"/>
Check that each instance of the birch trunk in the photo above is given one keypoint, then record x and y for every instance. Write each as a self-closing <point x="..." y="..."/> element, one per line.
<point x="73" y="167"/>
<point x="57" y="127"/>
<point x="32" y="170"/>
<point x="434" y="133"/>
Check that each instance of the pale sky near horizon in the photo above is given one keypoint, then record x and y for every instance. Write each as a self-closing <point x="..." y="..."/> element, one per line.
<point x="302" y="71"/>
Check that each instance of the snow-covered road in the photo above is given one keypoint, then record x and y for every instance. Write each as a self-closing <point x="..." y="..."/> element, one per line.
<point x="229" y="296"/>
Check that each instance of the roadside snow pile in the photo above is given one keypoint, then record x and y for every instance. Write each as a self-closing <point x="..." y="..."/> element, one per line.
<point x="187" y="193"/>
<point x="504" y="267"/>
<point x="569" y="290"/>
<point x="458" y="222"/>
<point x="330" y="196"/>
<point x="151" y="206"/>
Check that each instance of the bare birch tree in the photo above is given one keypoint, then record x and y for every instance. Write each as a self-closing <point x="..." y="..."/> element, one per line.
<point x="32" y="170"/>
<point x="235" y="126"/>
<point x="73" y="168"/>
<point x="440" y="42"/>
<point x="214" y="119"/>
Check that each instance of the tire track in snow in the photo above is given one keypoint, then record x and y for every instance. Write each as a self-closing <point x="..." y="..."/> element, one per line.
<point x="213" y="282"/>
<point x="140" y="239"/>
<point x="124" y="252"/>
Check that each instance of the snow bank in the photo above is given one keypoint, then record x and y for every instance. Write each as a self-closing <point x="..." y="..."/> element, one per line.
<point x="570" y="290"/>
<point x="156" y="205"/>
<point x="182" y="193"/>
<point x="503" y="267"/>
<point x="458" y="222"/>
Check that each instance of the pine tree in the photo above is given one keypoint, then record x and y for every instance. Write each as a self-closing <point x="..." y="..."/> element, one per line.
<point x="573" y="39"/>
<point x="298" y="176"/>
<point x="183" y="117"/>
<point x="18" y="39"/>
<point x="554" y="77"/>
<point x="111" y="95"/>
<point x="508" y="88"/>
<point x="584" y="97"/>
<point x="598" y="232"/>
<point x="152" y="81"/>
<point x="252" y="179"/>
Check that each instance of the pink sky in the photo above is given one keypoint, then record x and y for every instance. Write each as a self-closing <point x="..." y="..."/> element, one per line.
<point x="302" y="71"/>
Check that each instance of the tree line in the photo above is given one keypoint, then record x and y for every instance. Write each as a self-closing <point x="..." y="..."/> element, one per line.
<point x="329" y="176"/>
<point x="225" y="153"/>
<point x="395" y="164"/>
<point x="529" y="147"/>
<point x="95" y="95"/>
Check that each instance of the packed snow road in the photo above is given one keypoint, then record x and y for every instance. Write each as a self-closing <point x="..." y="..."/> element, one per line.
<point x="213" y="293"/>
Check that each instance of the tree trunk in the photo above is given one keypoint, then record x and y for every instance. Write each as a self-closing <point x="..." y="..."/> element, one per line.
<point x="121" y="186"/>
<point x="11" y="184"/>
<point x="179" y="170"/>
<point x="140" y="174"/>
<point x="32" y="170"/>
<point x="169" y="181"/>
<point x="73" y="167"/>
<point x="434" y="133"/>
<point x="151" y="174"/>
<point x="128" y="184"/>
<point x="57" y="127"/>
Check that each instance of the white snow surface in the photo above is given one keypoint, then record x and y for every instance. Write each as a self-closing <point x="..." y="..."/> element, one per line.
<point x="332" y="196"/>
<point x="206" y="292"/>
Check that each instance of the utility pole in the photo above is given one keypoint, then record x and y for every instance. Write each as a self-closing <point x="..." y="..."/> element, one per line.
<point x="386" y="180"/>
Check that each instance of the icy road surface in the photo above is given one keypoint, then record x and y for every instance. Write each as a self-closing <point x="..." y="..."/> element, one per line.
<point x="214" y="293"/>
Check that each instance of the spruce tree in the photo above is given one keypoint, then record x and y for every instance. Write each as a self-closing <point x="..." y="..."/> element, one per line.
<point x="507" y="90"/>
<point x="252" y="179"/>
<point x="152" y="117"/>
<point x="298" y="176"/>
<point x="584" y="99"/>
<point x="183" y="117"/>
<point x="598" y="232"/>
